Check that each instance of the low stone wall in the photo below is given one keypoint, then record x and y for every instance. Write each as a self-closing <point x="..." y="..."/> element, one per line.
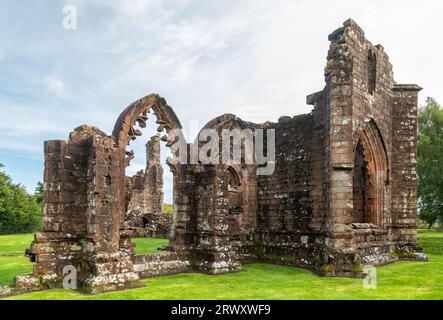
<point x="159" y="264"/>
<point x="373" y="245"/>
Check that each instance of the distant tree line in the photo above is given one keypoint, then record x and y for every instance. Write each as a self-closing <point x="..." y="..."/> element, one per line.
<point x="19" y="210"/>
<point x="430" y="163"/>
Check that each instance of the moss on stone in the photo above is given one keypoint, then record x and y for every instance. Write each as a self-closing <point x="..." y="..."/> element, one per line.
<point x="327" y="268"/>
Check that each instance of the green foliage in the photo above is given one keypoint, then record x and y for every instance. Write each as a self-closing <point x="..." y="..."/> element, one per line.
<point x="17" y="207"/>
<point x="148" y="245"/>
<point x="167" y="208"/>
<point x="430" y="162"/>
<point x="400" y="280"/>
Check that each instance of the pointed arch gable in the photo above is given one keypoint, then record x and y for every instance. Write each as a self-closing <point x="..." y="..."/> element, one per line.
<point x="137" y="113"/>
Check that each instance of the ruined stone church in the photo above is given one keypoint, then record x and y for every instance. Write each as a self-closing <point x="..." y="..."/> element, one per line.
<point x="343" y="194"/>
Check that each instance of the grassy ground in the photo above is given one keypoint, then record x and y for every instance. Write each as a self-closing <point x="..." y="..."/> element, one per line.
<point x="401" y="280"/>
<point x="12" y="259"/>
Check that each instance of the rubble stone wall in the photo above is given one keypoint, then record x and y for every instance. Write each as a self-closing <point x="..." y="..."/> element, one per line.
<point x="291" y="202"/>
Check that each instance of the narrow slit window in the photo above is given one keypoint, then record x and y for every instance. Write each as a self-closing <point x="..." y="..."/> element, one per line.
<point x="372" y="72"/>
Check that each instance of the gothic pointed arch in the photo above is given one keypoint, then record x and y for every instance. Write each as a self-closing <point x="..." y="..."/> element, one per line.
<point x="126" y="129"/>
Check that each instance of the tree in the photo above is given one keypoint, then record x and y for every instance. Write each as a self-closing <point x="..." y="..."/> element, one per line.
<point x="167" y="208"/>
<point x="17" y="207"/>
<point x="430" y="162"/>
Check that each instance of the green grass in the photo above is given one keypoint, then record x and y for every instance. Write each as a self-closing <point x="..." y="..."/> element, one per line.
<point x="11" y="266"/>
<point x="431" y="241"/>
<point x="148" y="245"/>
<point x="401" y="280"/>
<point x="12" y="259"/>
<point x="15" y="244"/>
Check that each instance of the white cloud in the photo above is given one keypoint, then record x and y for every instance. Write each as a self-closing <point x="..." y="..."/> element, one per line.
<point x="55" y="86"/>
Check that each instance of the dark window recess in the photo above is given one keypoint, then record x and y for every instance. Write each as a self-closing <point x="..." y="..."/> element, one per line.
<point x="372" y="71"/>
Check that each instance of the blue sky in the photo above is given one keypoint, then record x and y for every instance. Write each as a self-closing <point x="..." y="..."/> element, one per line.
<point x="257" y="59"/>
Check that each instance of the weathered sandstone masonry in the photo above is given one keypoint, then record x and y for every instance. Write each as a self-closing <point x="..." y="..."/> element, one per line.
<point x="343" y="193"/>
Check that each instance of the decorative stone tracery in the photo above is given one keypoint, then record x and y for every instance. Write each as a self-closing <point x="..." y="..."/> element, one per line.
<point x="371" y="169"/>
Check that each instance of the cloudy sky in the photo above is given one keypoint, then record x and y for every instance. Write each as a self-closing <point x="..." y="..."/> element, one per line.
<point x="257" y="59"/>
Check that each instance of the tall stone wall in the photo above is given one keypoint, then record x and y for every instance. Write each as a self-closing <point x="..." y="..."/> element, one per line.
<point x="363" y="99"/>
<point x="81" y="216"/>
<point x="403" y="168"/>
<point x="291" y="201"/>
<point x="306" y="209"/>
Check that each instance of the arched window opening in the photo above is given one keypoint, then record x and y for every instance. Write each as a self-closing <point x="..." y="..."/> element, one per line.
<point x="362" y="188"/>
<point x="370" y="177"/>
<point x="371" y="72"/>
<point x="235" y="206"/>
<point x="149" y="184"/>
<point x="235" y="197"/>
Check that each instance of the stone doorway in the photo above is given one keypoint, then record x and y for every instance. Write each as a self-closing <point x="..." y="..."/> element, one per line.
<point x="370" y="181"/>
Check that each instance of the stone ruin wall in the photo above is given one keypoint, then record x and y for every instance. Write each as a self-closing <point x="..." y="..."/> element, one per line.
<point x="291" y="206"/>
<point x="363" y="94"/>
<point x="305" y="213"/>
<point x="81" y="216"/>
<point x="302" y="215"/>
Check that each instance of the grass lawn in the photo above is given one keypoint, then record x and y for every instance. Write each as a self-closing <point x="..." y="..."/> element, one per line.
<point x="401" y="280"/>
<point x="12" y="259"/>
